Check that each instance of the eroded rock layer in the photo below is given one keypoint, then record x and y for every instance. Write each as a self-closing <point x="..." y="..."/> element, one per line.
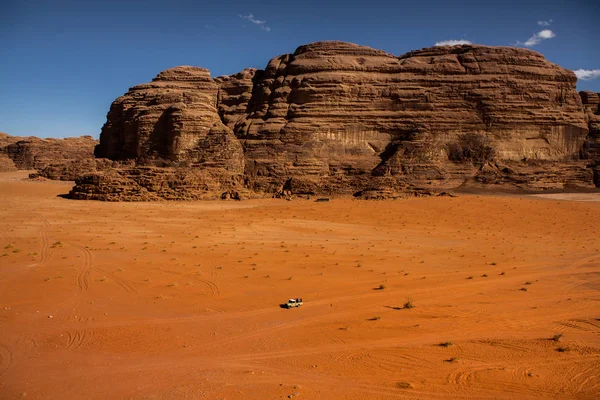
<point x="339" y="118"/>
<point x="172" y="119"/>
<point x="35" y="153"/>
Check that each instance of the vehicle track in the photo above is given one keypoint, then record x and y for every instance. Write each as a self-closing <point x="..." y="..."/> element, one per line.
<point x="124" y="284"/>
<point x="83" y="274"/>
<point x="6" y="358"/>
<point x="75" y="339"/>
<point x="45" y="251"/>
<point x="214" y="289"/>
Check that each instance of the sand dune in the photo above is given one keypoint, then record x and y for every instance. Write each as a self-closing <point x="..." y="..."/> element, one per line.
<point x="181" y="300"/>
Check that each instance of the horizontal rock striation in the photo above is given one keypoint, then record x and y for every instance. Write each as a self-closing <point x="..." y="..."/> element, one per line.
<point x="173" y="120"/>
<point x="591" y="148"/>
<point x="34" y="153"/>
<point x="338" y="118"/>
<point x="154" y="183"/>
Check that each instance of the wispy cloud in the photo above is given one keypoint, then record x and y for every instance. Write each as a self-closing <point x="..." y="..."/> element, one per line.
<point x="545" y="23"/>
<point x="538" y="37"/>
<point x="452" y="42"/>
<point x="261" y="24"/>
<point x="587" y="74"/>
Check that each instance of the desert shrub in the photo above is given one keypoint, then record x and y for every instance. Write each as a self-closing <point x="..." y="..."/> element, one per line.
<point x="409" y="303"/>
<point x="446" y="344"/>
<point x="471" y="147"/>
<point x="404" y="385"/>
<point x="557" y="337"/>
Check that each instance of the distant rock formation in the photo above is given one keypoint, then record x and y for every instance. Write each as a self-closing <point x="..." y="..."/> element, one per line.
<point x="31" y="153"/>
<point x="337" y="118"/>
<point x="591" y="148"/>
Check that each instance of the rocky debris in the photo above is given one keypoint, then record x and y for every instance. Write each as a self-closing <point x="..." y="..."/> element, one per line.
<point x="534" y="175"/>
<point x="154" y="183"/>
<point x="336" y="118"/>
<point x="72" y="169"/>
<point x="6" y="163"/>
<point x="35" y="153"/>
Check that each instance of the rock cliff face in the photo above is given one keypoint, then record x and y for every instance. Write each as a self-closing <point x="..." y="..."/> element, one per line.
<point x="591" y="148"/>
<point x="35" y="153"/>
<point x="173" y="120"/>
<point x="340" y="118"/>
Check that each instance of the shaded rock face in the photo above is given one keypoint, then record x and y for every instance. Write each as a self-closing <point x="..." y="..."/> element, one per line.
<point x="35" y="153"/>
<point x="174" y="120"/>
<point x="339" y="118"/>
<point x="591" y="148"/>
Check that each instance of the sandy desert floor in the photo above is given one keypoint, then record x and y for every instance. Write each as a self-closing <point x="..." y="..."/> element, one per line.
<point x="181" y="300"/>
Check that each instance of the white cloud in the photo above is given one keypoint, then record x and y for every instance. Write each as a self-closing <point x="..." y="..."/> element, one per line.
<point x="538" y="37"/>
<point x="452" y="42"/>
<point x="545" y="23"/>
<point x="261" y="24"/>
<point x="587" y="74"/>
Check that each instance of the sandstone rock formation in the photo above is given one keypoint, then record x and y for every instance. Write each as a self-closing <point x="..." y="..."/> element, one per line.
<point x="339" y="118"/>
<point x="35" y="153"/>
<point x="591" y="148"/>
<point x="172" y="120"/>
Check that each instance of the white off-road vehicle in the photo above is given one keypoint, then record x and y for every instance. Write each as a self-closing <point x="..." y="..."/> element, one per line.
<point x="291" y="303"/>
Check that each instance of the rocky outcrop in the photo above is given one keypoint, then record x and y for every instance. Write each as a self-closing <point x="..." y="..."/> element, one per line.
<point x="591" y="147"/>
<point x="154" y="183"/>
<point x="70" y="170"/>
<point x="338" y="118"/>
<point x="35" y="153"/>
<point x="172" y="120"/>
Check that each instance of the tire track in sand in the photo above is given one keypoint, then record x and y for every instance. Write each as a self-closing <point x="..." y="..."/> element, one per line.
<point x="83" y="275"/>
<point x="214" y="289"/>
<point x="6" y="358"/>
<point x="45" y="250"/>
<point x="75" y="339"/>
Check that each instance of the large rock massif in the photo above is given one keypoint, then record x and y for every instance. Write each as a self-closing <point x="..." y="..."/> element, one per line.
<point x="338" y="118"/>
<point x="29" y="153"/>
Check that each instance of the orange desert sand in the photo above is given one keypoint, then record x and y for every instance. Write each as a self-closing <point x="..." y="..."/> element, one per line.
<point x="181" y="299"/>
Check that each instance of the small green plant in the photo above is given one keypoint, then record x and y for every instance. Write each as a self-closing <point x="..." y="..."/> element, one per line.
<point x="446" y="344"/>
<point x="409" y="303"/>
<point x="8" y="246"/>
<point x="16" y="251"/>
<point x="404" y="385"/>
<point x="381" y="287"/>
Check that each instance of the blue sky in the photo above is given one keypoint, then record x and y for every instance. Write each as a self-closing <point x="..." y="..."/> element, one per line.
<point x="63" y="62"/>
